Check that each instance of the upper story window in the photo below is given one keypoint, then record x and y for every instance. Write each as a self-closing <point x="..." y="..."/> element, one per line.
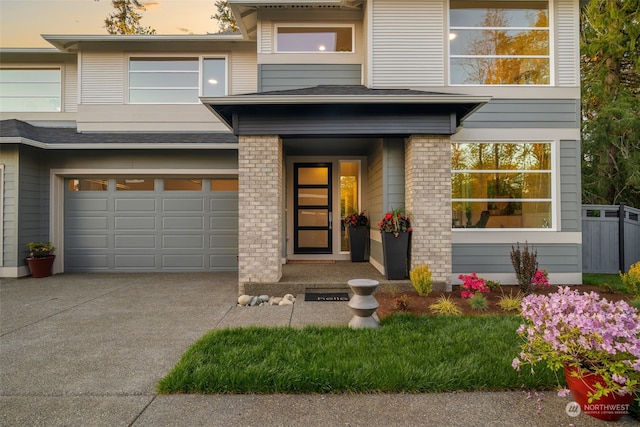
<point x="501" y="185"/>
<point x="316" y="39"/>
<point x="31" y="89"/>
<point x="175" y="80"/>
<point x="499" y="42"/>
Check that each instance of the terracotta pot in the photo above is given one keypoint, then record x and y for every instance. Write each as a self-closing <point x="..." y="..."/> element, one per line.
<point x="41" y="267"/>
<point x="608" y="408"/>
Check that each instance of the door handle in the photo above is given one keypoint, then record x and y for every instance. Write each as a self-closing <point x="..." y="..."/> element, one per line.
<point x="330" y="221"/>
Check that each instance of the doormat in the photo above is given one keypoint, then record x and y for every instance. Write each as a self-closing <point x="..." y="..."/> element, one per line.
<point x="326" y="296"/>
<point x="310" y="261"/>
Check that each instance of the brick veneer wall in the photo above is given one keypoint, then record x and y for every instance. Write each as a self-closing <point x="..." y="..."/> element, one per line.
<point x="260" y="209"/>
<point x="428" y="199"/>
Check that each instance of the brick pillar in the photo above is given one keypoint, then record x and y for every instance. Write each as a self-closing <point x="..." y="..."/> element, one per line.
<point x="260" y="209"/>
<point x="428" y="199"/>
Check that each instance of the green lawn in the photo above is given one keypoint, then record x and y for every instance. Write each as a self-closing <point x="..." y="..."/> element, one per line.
<point x="610" y="282"/>
<point x="408" y="354"/>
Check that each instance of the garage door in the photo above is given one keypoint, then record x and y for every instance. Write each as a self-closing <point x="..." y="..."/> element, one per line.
<point x="151" y="224"/>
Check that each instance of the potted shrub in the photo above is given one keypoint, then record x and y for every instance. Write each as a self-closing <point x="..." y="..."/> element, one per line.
<point x="395" y="228"/>
<point x="357" y="226"/>
<point x="595" y="341"/>
<point x="40" y="259"/>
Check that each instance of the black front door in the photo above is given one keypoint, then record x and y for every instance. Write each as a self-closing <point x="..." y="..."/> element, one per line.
<point x="312" y="208"/>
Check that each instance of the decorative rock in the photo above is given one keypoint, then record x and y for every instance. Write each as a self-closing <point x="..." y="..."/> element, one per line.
<point x="264" y="298"/>
<point x="254" y="301"/>
<point x="286" y="302"/>
<point x="275" y="300"/>
<point x="290" y="297"/>
<point x="244" y="299"/>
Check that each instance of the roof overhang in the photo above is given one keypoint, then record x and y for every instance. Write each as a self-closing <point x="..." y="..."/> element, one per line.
<point x="386" y="105"/>
<point x="70" y="42"/>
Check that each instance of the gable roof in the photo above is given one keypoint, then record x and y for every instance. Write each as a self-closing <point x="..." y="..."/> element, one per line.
<point x="19" y="132"/>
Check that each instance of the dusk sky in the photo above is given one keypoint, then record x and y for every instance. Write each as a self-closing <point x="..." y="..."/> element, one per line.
<point x="22" y="21"/>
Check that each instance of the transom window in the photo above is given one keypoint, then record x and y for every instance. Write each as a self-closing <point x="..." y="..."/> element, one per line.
<point x="499" y="42"/>
<point x="31" y="89"/>
<point x="175" y="80"/>
<point x="314" y="39"/>
<point x="501" y="185"/>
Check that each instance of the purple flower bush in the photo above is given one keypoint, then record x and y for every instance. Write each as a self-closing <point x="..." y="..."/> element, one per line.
<point x="586" y="332"/>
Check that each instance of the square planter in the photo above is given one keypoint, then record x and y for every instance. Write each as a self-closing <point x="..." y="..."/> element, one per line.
<point x="396" y="255"/>
<point x="359" y="244"/>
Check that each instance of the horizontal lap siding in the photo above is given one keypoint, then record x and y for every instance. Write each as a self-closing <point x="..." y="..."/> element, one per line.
<point x="496" y="258"/>
<point x="9" y="158"/>
<point x="33" y="203"/>
<point x="526" y="113"/>
<point x="567" y="37"/>
<point x="407" y="48"/>
<point x="570" y="200"/>
<point x="297" y="76"/>
<point x="102" y="78"/>
<point x="244" y="73"/>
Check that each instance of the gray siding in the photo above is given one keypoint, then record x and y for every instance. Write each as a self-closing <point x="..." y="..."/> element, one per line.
<point x="570" y="198"/>
<point x="33" y="202"/>
<point x="296" y="76"/>
<point x="393" y="174"/>
<point x="297" y="123"/>
<point x="527" y="113"/>
<point x="496" y="258"/>
<point x="376" y="194"/>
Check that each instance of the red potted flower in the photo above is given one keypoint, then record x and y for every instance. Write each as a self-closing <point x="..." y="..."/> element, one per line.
<point x="40" y="259"/>
<point x="357" y="226"/>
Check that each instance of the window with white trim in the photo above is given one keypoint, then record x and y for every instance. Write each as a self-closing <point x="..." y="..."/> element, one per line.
<point x="502" y="185"/>
<point x="159" y="80"/>
<point x="314" y="39"/>
<point x="31" y="89"/>
<point x="500" y="42"/>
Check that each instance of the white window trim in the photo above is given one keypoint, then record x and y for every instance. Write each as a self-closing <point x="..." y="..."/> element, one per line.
<point x="314" y="25"/>
<point x="59" y="67"/>
<point x="553" y="170"/>
<point x="552" y="50"/>
<point x="199" y="58"/>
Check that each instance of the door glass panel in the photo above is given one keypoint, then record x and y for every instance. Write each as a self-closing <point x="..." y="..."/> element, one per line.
<point x="313" y="196"/>
<point x="349" y="196"/>
<point x="313" y="176"/>
<point x="89" y="184"/>
<point x="313" y="218"/>
<point x="183" y="185"/>
<point x="224" y="185"/>
<point x="313" y="239"/>
<point x="135" y="184"/>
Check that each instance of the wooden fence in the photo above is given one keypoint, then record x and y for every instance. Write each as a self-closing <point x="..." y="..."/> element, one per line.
<point x="610" y="238"/>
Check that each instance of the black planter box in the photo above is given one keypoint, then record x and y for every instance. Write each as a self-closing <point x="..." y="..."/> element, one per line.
<point x="396" y="254"/>
<point x="359" y="244"/>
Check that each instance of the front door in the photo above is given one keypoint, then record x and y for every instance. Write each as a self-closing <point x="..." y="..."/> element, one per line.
<point x="312" y="219"/>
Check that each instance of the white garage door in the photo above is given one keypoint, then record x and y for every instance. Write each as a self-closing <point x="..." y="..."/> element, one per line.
<point x="151" y="224"/>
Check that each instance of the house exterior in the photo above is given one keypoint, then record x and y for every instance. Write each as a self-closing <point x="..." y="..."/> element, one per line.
<point x="242" y="151"/>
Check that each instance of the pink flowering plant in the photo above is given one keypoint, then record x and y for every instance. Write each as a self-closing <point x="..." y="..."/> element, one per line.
<point x="540" y="278"/>
<point x="472" y="284"/>
<point x="586" y="332"/>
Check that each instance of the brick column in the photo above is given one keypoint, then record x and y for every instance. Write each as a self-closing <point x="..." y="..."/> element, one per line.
<point x="260" y="209"/>
<point x="428" y="199"/>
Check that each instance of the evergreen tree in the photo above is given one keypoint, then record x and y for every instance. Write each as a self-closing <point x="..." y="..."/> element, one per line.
<point x="126" y="19"/>
<point x="610" y="65"/>
<point x="224" y="16"/>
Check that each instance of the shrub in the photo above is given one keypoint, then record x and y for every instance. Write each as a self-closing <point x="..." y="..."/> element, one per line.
<point x="472" y="284"/>
<point x="525" y="265"/>
<point x="479" y="302"/>
<point x="400" y="302"/>
<point x="511" y="302"/>
<point x="631" y="280"/>
<point x="445" y="306"/>
<point x="421" y="280"/>
<point x="492" y="284"/>
<point x="635" y="303"/>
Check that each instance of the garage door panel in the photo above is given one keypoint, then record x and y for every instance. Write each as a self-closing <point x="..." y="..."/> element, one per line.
<point x="86" y="223"/>
<point x="224" y="241"/>
<point x="224" y="223"/>
<point x="183" y="242"/>
<point x="135" y="242"/>
<point x="227" y="262"/>
<point x="182" y="223"/>
<point x="218" y="204"/>
<point x="135" y="223"/>
<point x="85" y="241"/>
<point x="183" y="205"/>
<point x="174" y="261"/>
<point x="136" y="205"/>
<point x="87" y="262"/>
<point x="133" y="261"/>
<point x="87" y="205"/>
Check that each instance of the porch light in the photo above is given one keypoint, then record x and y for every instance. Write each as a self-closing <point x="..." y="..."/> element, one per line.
<point x="452" y="36"/>
<point x="322" y="48"/>
<point x="213" y="81"/>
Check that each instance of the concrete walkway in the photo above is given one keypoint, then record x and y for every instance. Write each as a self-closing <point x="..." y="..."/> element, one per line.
<point x="88" y="349"/>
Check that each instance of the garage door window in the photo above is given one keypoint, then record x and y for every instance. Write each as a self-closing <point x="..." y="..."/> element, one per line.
<point x="135" y="184"/>
<point x="224" y="185"/>
<point x="92" y="184"/>
<point x="183" y="185"/>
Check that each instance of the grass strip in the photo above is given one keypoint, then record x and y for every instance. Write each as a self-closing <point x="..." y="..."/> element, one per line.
<point x="408" y="354"/>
